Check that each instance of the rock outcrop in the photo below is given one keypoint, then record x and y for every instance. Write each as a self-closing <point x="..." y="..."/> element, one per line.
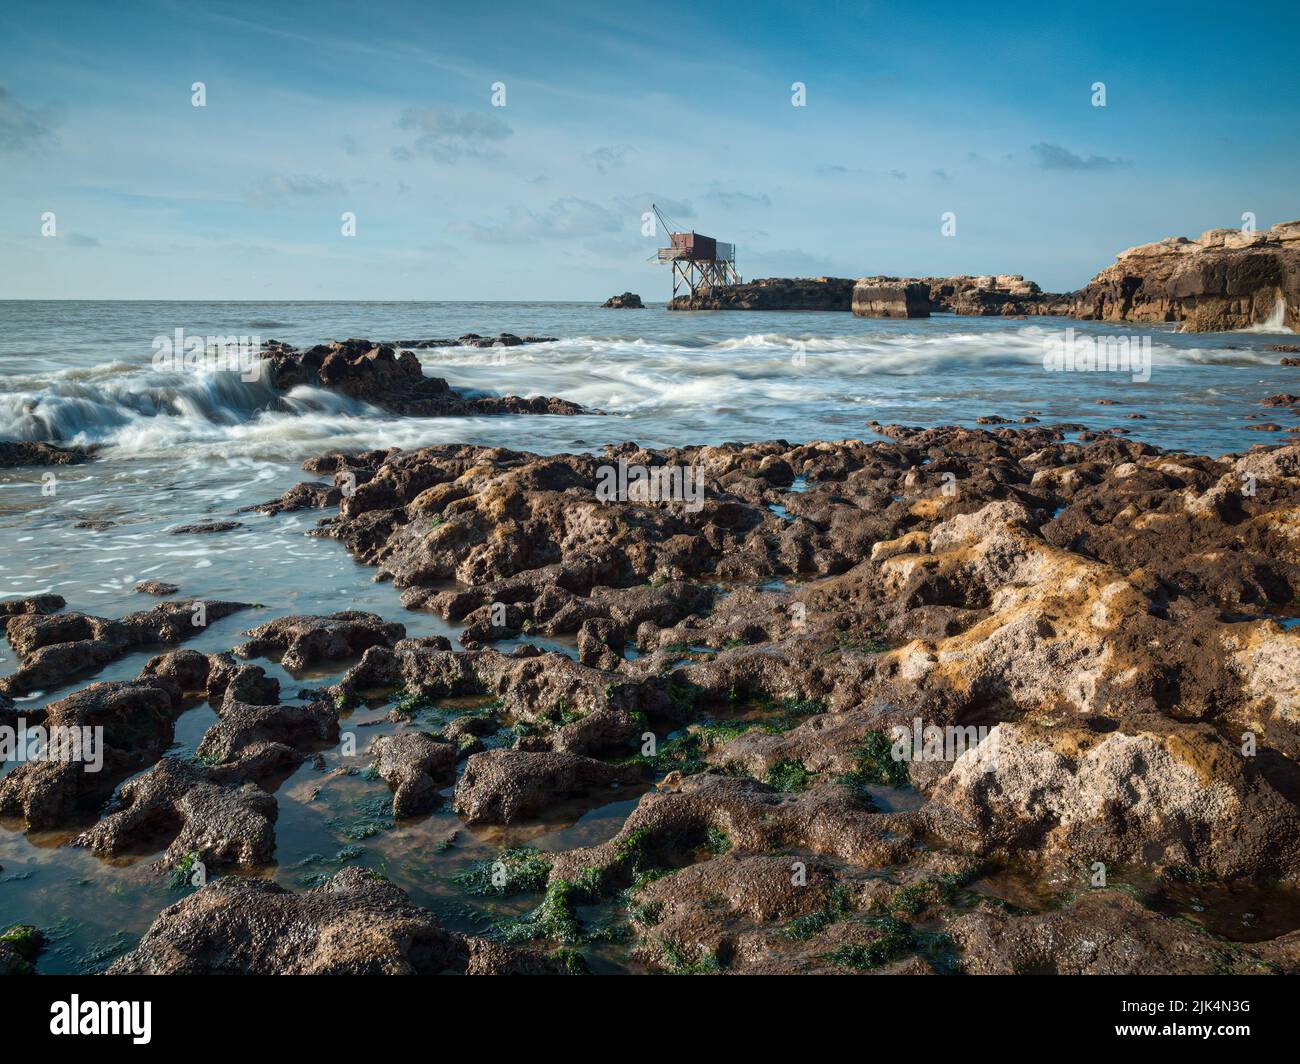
<point x="628" y="300"/>
<point x="356" y="924"/>
<point x="15" y="453"/>
<point x="393" y="379"/>
<point x="1226" y="279"/>
<point x="885" y="300"/>
<point x="773" y="293"/>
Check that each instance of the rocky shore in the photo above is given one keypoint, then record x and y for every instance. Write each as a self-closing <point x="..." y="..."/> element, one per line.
<point x="1089" y="644"/>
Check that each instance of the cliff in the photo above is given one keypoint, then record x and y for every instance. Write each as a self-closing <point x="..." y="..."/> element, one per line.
<point x="1227" y="279"/>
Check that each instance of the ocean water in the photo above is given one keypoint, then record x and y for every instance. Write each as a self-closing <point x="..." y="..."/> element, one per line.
<point x="178" y="447"/>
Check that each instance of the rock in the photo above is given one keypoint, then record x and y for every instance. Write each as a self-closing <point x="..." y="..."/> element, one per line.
<point x="186" y="804"/>
<point x="206" y="528"/>
<point x="1224" y="280"/>
<point x="304" y="496"/>
<point x="155" y="587"/>
<point x="20" y="945"/>
<point x="503" y="786"/>
<point x="137" y="719"/>
<point x="15" y="453"/>
<point x="904" y="300"/>
<point x="415" y="766"/>
<point x="254" y="741"/>
<point x="53" y="649"/>
<point x="356" y="924"/>
<point x="626" y="300"/>
<point x="1102" y="932"/>
<point x="39" y="604"/>
<point x="304" y="641"/>
<point x="377" y="373"/>
<point x="773" y="293"/>
<point x="1163" y="794"/>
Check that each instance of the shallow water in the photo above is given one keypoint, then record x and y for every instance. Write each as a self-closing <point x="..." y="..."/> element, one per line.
<point x="180" y="447"/>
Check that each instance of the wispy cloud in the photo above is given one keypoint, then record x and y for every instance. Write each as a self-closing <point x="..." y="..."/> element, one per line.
<point x="80" y="240"/>
<point x="609" y="158"/>
<point x="675" y="209"/>
<point x="731" y="199"/>
<point x="448" y="136"/>
<point x="23" y="128"/>
<point x="564" y="219"/>
<point x="277" y="188"/>
<point x="1055" y="157"/>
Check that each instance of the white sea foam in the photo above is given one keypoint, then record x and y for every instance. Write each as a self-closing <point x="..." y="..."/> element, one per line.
<point x="684" y="384"/>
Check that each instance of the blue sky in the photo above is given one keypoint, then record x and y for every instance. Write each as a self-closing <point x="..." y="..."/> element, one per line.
<point x="385" y="110"/>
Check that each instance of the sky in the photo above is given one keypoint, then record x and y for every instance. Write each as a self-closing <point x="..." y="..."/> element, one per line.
<point x="387" y="113"/>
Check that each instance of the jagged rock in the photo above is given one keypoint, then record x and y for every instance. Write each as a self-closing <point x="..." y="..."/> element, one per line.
<point x="356" y="924"/>
<point x="187" y="804"/>
<point x="205" y="528"/>
<point x="33" y="604"/>
<point x="1157" y="793"/>
<point x="415" y="766"/>
<point x="137" y="719"/>
<point x="1226" y="279"/>
<point x="304" y="496"/>
<point x="502" y="786"/>
<point x="54" y="648"/>
<point x="903" y="300"/>
<point x="379" y="374"/>
<point x="304" y="641"/>
<point x="15" y="453"/>
<point x="773" y="293"/>
<point x="155" y="587"/>
<point x="627" y="299"/>
<point x="1099" y="933"/>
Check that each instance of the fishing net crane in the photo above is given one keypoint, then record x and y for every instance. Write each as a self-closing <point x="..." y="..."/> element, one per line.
<point x="698" y="262"/>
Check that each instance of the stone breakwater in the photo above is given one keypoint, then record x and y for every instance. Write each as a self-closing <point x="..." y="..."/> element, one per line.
<point x="1118" y="620"/>
<point x="902" y="297"/>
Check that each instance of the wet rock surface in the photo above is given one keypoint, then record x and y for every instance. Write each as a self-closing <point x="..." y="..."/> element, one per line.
<point x="392" y="378"/>
<point x="1106" y="616"/>
<point x="55" y="647"/>
<point x="356" y="924"/>
<point x="863" y="706"/>
<point x="301" y="642"/>
<point x="15" y="453"/>
<point x="416" y="766"/>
